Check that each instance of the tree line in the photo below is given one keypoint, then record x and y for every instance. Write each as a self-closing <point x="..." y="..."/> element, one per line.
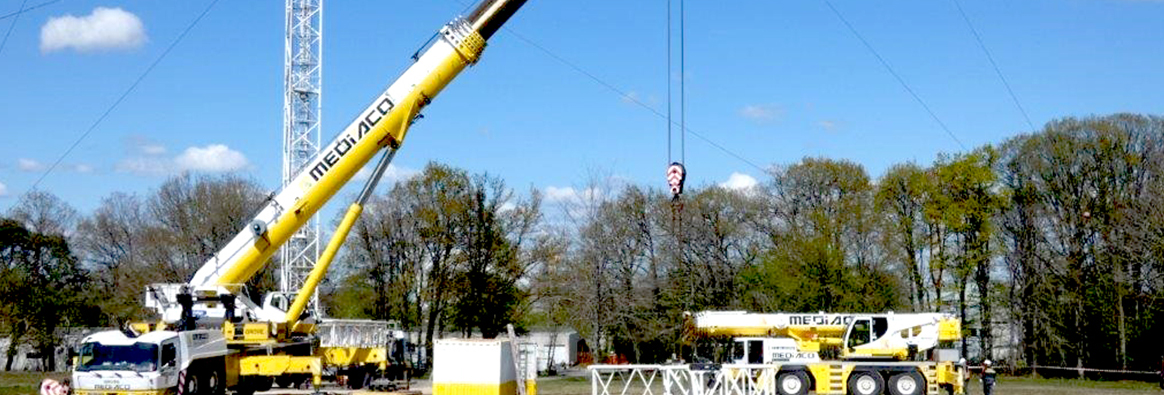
<point x="1049" y="246"/>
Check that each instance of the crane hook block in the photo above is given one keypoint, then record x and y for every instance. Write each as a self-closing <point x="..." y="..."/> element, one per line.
<point x="676" y="175"/>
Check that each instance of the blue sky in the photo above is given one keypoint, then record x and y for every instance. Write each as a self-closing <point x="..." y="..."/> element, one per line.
<point x="772" y="81"/>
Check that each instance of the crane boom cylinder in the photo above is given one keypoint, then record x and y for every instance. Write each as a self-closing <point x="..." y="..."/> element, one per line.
<point x="337" y="239"/>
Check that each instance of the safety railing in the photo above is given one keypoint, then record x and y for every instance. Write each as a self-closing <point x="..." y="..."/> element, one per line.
<point x="683" y="380"/>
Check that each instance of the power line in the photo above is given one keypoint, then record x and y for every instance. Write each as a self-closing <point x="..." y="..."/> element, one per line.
<point x="125" y="94"/>
<point x="629" y="98"/>
<point x="24" y="10"/>
<point x="11" y="26"/>
<point x="894" y="73"/>
<point x="995" y="65"/>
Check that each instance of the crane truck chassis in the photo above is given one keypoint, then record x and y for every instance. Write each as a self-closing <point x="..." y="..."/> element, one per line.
<point x="210" y="337"/>
<point x="793" y="354"/>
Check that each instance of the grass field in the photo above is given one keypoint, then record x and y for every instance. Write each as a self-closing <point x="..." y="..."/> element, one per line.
<point x="25" y="383"/>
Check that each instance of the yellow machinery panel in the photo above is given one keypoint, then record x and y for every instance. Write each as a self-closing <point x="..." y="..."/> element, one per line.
<point x="275" y="365"/>
<point x="345" y="356"/>
<point x="950" y="329"/>
<point x="506" y="388"/>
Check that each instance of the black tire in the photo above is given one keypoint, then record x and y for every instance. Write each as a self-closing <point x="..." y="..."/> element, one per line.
<point x="907" y="383"/>
<point x="193" y="384"/>
<point x="285" y="381"/>
<point x="262" y="383"/>
<point x="212" y="382"/>
<point x="866" y="383"/>
<point x="794" y="382"/>
<point x="356" y="378"/>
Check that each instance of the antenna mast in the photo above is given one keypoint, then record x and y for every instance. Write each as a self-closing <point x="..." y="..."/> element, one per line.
<point x="302" y="95"/>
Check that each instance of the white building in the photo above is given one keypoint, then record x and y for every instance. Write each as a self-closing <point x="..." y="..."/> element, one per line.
<point x="555" y="349"/>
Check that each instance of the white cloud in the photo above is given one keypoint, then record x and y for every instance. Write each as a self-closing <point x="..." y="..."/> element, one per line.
<point x="3" y="190"/>
<point x="571" y="195"/>
<point x="761" y="113"/>
<point x="556" y="194"/>
<point x="147" y="159"/>
<point x="827" y="125"/>
<point x="103" y="29"/>
<point x="211" y="158"/>
<point x="739" y="182"/>
<point x="83" y="168"/>
<point x="30" y="165"/>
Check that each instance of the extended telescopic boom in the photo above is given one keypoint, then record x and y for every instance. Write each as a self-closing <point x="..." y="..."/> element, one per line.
<point x="382" y="124"/>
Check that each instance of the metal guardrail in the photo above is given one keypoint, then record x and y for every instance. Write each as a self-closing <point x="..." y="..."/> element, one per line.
<point x="640" y="380"/>
<point x="683" y="380"/>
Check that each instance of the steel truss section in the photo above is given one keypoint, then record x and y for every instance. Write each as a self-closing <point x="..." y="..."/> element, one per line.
<point x="682" y="380"/>
<point x="353" y="333"/>
<point x="302" y="98"/>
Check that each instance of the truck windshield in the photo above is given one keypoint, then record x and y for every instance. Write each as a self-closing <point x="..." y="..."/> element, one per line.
<point x="138" y="357"/>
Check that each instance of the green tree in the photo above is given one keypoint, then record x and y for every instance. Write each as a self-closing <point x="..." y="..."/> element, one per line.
<point x="966" y="196"/>
<point x="901" y="197"/>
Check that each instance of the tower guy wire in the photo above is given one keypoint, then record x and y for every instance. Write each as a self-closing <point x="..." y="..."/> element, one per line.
<point x="625" y="96"/>
<point x="11" y="26"/>
<point x="894" y="73"/>
<point x="125" y="94"/>
<point x="994" y="64"/>
<point x="22" y="9"/>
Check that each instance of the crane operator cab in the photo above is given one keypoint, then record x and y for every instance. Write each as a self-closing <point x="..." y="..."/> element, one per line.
<point x="889" y="336"/>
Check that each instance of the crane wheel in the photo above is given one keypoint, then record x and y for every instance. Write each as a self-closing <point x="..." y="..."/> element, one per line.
<point x="285" y="381"/>
<point x="212" y="383"/>
<point x="907" y="383"/>
<point x="193" y="384"/>
<point x="356" y="378"/>
<point x="794" y="382"/>
<point x="866" y="383"/>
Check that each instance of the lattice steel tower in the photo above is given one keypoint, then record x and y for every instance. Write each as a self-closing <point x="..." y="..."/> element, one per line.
<point x="302" y="77"/>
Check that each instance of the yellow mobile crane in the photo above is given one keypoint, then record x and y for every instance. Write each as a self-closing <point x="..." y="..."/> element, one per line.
<point x="868" y="354"/>
<point x="210" y="336"/>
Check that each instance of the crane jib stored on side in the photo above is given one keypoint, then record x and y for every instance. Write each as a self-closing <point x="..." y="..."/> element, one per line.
<point x="382" y="124"/>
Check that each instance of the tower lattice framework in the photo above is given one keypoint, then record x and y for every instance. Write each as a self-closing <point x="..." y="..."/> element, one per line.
<point x="302" y="95"/>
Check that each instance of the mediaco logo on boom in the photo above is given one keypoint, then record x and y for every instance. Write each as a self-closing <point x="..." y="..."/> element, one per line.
<point x="820" y="319"/>
<point x="345" y="143"/>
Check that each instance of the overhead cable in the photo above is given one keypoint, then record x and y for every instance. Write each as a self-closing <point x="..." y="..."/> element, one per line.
<point x="997" y="71"/>
<point x="124" y="94"/>
<point x="894" y="73"/>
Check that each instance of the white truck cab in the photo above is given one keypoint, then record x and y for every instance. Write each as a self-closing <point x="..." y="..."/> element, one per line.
<point x="113" y="361"/>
